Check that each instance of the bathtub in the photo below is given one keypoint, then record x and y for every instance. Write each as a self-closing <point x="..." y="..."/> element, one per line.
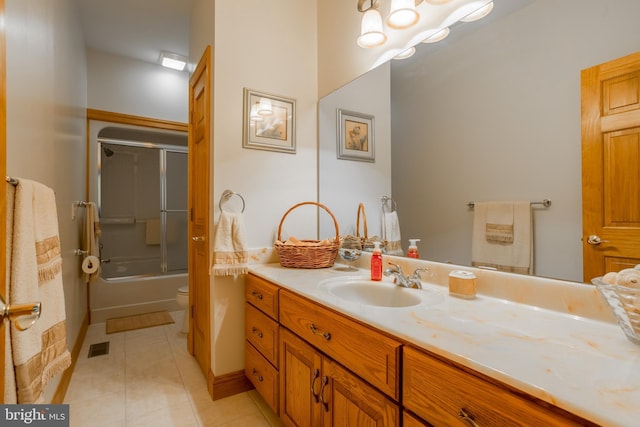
<point x="131" y="295"/>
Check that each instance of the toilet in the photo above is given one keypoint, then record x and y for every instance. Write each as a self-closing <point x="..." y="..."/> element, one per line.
<point x="182" y="298"/>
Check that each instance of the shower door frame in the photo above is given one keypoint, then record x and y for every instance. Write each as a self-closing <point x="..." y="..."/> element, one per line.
<point x="163" y="149"/>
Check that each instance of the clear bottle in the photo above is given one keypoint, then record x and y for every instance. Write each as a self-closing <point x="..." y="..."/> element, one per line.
<point x="376" y="262"/>
<point x="413" y="248"/>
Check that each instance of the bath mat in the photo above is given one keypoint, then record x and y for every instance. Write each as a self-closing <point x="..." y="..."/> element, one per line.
<point x="139" y="321"/>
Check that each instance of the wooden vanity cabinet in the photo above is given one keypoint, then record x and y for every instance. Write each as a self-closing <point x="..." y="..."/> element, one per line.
<point x="317" y="391"/>
<point x="262" y="338"/>
<point x="443" y="394"/>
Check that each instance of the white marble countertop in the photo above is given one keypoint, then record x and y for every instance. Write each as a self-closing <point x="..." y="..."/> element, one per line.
<point x="582" y="365"/>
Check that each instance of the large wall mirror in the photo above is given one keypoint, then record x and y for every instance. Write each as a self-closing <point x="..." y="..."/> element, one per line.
<point x="492" y="113"/>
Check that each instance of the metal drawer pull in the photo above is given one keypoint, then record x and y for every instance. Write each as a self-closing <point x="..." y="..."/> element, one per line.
<point x="325" y="381"/>
<point x="257" y="294"/>
<point x="14" y="311"/>
<point x="315" y="330"/>
<point x="316" y="374"/>
<point x="467" y="418"/>
<point x="255" y="374"/>
<point x="256" y="331"/>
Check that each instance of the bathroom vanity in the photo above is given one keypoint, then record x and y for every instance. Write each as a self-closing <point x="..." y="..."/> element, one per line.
<point x="321" y="357"/>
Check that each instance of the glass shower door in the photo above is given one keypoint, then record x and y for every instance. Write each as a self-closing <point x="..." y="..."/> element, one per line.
<point x="174" y="213"/>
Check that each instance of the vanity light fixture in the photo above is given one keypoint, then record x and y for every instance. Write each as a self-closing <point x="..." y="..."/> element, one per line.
<point x="406" y="53"/>
<point x="371" y="31"/>
<point x="478" y="13"/>
<point x="173" y="61"/>
<point x="403" y="14"/>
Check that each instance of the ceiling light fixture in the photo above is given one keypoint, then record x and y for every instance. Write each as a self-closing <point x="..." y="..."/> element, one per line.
<point x="173" y="61"/>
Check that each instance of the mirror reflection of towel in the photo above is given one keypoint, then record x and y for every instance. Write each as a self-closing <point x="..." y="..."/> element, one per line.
<point x="392" y="234"/>
<point x="515" y="256"/>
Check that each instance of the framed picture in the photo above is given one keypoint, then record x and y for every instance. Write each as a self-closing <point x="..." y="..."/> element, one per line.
<point x="355" y="136"/>
<point x="269" y="122"/>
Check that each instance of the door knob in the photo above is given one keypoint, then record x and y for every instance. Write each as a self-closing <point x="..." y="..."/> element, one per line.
<point x="595" y="240"/>
<point x="198" y="238"/>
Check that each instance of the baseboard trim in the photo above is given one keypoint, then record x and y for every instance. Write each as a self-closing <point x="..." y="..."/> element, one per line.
<point x="65" y="379"/>
<point x="228" y="384"/>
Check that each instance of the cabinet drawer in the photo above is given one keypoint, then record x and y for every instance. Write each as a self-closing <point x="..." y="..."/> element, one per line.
<point x="262" y="332"/>
<point x="262" y="294"/>
<point x="371" y="355"/>
<point x="262" y="375"/>
<point x="438" y="392"/>
<point x="409" y="420"/>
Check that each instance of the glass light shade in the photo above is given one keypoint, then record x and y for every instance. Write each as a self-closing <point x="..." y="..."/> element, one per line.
<point x="406" y="53"/>
<point x="402" y="14"/>
<point x="264" y="108"/>
<point x="437" y="36"/>
<point x="478" y="13"/>
<point x="371" y="32"/>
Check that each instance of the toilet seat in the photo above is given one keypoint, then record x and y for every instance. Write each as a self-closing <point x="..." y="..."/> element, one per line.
<point x="183" y="289"/>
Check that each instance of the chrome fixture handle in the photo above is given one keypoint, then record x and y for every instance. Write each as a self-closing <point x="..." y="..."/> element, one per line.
<point x="412" y="281"/>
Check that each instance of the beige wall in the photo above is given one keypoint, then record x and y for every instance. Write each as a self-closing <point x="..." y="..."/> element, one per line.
<point x="268" y="47"/>
<point x="46" y="101"/>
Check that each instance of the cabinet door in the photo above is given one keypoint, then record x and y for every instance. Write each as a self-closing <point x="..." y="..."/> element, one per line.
<point x="300" y="382"/>
<point x="346" y="400"/>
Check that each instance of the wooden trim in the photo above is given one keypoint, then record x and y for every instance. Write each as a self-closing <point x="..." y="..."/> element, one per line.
<point x="228" y="384"/>
<point x="108" y="116"/>
<point x="63" y="385"/>
<point x="3" y="193"/>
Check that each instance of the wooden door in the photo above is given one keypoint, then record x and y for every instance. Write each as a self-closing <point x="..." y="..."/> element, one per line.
<point x="301" y="382"/>
<point x="199" y="337"/>
<point x="3" y="193"/>
<point x="349" y="401"/>
<point x="611" y="166"/>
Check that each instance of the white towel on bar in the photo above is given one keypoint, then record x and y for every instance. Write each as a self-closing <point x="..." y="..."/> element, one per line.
<point x="515" y="255"/>
<point x="229" y="252"/>
<point x="40" y="352"/>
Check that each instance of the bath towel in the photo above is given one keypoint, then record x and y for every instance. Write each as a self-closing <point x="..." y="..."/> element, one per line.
<point x="91" y="236"/>
<point x="500" y="248"/>
<point x="229" y="252"/>
<point x="152" y="231"/>
<point x="40" y="352"/>
<point x="392" y="233"/>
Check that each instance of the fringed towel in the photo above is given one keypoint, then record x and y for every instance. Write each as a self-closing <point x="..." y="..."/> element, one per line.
<point x="40" y="352"/>
<point x="503" y="236"/>
<point x="92" y="234"/>
<point x="392" y="233"/>
<point x="229" y="252"/>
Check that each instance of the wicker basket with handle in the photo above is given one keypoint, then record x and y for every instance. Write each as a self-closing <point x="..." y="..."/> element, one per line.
<point x="313" y="254"/>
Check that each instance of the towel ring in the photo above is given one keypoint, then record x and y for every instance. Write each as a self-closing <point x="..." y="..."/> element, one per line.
<point x="385" y="200"/>
<point x="226" y="195"/>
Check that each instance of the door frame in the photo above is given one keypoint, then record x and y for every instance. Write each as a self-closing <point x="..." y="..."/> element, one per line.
<point x="3" y="193"/>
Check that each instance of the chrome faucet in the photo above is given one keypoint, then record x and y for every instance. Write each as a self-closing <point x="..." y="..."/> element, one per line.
<point x="412" y="281"/>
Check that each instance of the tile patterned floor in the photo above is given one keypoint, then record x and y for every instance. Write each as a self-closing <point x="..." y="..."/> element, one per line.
<point x="149" y="379"/>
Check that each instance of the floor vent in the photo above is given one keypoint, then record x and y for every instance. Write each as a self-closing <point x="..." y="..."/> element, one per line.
<point x="99" y="349"/>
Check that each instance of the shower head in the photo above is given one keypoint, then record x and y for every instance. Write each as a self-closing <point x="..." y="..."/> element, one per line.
<point x="108" y="151"/>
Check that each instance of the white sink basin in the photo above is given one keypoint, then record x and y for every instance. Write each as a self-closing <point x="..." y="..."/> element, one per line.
<point x="378" y="294"/>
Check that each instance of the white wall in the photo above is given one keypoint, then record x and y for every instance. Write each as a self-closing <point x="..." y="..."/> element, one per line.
<point x="46" y="101"/>
<point x="343" y="184"/>
<point x="496" y="116"/>
<point x="128" y="86"/>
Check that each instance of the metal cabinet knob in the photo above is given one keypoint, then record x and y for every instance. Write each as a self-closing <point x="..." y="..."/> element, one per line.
<point x="198" y="238"/>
